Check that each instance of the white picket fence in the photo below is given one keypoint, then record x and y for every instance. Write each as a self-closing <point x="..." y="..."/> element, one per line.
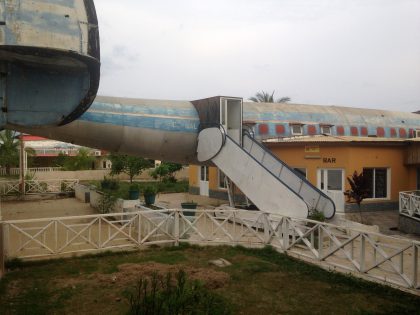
<point x="386" y="259"/>
<point x="8" y="188"/>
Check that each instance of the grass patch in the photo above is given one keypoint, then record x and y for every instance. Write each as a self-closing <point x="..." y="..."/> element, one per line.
<point x="262" y="281"/>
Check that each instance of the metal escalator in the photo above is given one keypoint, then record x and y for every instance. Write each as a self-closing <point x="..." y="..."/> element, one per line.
<point x="313" y="197"/>
<point x="267" y="181"/>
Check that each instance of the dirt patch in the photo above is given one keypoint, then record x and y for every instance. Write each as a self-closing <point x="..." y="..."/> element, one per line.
<point x="14" y="288"/>
<point x="130" y="273"/>
<point x="72" y="283"/>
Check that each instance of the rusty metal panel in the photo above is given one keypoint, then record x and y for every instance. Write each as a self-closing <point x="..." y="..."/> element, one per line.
<point x="208" y="110"/>
<point x="49" y="54"/>
<point x="48" y="24"/>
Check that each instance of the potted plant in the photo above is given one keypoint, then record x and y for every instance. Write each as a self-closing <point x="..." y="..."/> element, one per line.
<point x="149" y="193"/>
<point x="191" y="205"/>
<point x="134" y="192"/>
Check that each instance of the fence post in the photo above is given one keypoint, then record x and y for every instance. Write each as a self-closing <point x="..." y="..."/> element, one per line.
<point x="2" y="254"/>
<point x="176" y="227"/>
<point x="285" y="232"/>
<point x="415" y="265"/>
<point x="267" y="229"/>
<point x="320" y="242"/>
<point x="362" y="253"/>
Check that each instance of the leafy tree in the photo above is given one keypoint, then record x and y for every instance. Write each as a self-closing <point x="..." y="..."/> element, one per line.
<point x="130" y="165"/>
<point x="82" y="161"/>
<point x="359" y="189"/>
<point x="265" y="97"/>
<point x="166" y="171"/>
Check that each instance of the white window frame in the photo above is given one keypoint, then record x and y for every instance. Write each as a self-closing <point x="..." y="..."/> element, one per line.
<point x="219" y="173"/>
<point x="293" y="133"/>
<point x="323" y="130"/>
<point x="343" y="178"/>
<point x="388" y="184"/>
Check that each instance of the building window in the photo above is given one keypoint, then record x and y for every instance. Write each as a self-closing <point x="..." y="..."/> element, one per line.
<point x="222" y="181"/>
<point x="296" y="130"/>
<point x="393" y="133"/>
<point x="263" y="129"/>
<point x="204" y="173"/>
<point x="311" y="130"/>
<point x="377" y="182"/>
<point x="280" y="129"/>
<point x="326" y="130"/>
<point x="364" y="131"/>
<point x="331" y="179"/>
<point x="301" y="171"/>
<point x="354" y="131"/>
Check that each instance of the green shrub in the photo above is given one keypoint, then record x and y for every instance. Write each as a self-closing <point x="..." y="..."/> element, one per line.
<point x="150" y="190"/>
<point x="134" y="187"/>
<point x="316" y="216"/>
<point x="161" y="296"/>
<point x="109" y="183"/>
<point x="106" y="203"/>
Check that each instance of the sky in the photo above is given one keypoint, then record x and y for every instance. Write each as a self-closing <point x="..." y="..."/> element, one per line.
<point x="359" y="53"/>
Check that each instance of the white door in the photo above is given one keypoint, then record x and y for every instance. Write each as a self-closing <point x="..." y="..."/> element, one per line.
<point x="203" y="178"/>
<point x="231" y="117"/>
<point x="331" y="182"/>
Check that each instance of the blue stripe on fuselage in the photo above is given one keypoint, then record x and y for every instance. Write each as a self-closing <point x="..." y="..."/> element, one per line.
<point x="131" y="116"/>
<point x="143" y="109"/>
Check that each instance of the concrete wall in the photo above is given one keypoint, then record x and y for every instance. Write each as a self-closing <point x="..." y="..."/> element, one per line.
<point x="409" y="225"/>
<point x="82" y="193"/>
<point x="95" y="196"/>
<point x="99" y="175"/>
<point x="351" y="158"/>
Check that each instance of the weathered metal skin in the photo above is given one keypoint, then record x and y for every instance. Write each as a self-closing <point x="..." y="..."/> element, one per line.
<point x="49" y="55"/>
<point x="275" y="120"/>
<point x="161" y="130"/>
<point x="168" y="130"/>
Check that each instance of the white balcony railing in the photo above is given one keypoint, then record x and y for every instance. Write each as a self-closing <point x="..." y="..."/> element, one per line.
<point x="410" y="204"/>
<point x="370" y="255"/>
<point x="16" y="171"/>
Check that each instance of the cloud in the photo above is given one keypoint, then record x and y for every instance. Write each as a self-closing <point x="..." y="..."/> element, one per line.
<point x="353" y="52"/>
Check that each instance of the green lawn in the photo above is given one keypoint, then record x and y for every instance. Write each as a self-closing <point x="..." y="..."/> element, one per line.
<point x="258" y="282"/>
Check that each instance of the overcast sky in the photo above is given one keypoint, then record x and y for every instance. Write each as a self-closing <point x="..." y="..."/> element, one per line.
<point x="362" y="53"/>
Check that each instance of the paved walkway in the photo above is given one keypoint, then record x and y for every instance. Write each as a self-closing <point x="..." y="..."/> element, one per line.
<point x="173" y="201"/>
<point x="21" y="210"/>
<point x="387" y="221"/>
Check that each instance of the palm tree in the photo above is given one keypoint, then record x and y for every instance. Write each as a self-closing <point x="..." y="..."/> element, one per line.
<point x="265" y="97"/>
<point x="9" y="150"/>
